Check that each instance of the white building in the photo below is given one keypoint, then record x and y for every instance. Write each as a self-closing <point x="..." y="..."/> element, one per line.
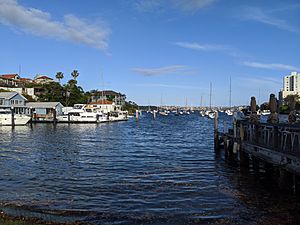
<point x="105" y="106"/>
<point x="291" y="84"/>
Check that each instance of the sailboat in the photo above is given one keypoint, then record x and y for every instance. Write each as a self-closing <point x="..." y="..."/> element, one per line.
<point x="210" y="113"/>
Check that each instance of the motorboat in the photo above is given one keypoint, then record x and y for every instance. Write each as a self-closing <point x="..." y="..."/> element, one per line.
<point x="82" y="114"/>
<point x="117" y="116"/>
<point x="19" y="119"/>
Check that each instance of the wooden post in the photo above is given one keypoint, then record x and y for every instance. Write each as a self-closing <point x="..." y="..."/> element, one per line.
<point x="54" y="115"/>
<point x="31" y="115"/>
<point x="225" y="127"/>
<point x="275" y="137"/>
<point x="216" y="135"/>
<point x="68" y="117"/>
<point x="137" y="115"/>
<point x="234" y="125"/>
<point x="12" y="116"/>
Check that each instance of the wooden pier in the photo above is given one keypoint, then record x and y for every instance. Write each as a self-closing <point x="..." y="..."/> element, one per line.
<point x="275" y="145"/>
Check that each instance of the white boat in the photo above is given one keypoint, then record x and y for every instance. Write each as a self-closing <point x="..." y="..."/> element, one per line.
<point x="118" y="116"/>
<point x="80" y="114"/>
<point x="163" y="113"/>
<point x="202" y="113"/>
<point x="211" y="115"/>
<point x="265" y="112"/>
<point x="229" y="112"/>
<point x="19" y="119"/>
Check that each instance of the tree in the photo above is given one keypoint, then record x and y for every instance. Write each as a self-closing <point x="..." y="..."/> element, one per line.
<point x="291" y="101"/>
<point x="75" y="74"/>
<point x="59" y="76"/>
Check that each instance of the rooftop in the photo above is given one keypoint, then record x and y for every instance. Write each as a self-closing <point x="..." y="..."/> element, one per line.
<point x="9" y="76"/>
<point x="43" y="105"/>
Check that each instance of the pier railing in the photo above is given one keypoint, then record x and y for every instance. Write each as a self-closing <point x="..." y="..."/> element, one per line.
<point x="278" y="137"/>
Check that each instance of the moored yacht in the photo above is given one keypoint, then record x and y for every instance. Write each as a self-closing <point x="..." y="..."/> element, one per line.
<point x="19" y="119"/>
<point x="82" y="114"/>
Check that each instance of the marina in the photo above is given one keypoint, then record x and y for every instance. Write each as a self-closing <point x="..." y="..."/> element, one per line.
<point x="149" y="112"/>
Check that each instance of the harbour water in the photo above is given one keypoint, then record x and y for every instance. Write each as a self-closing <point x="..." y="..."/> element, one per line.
<point x="145" y="172"/>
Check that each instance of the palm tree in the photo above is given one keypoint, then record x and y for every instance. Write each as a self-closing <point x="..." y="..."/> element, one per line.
<point x="75" y="74"/>
<point x="59" y="76"/>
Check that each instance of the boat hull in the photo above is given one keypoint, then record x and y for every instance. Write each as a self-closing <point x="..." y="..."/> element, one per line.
<point x="19" y="120"/>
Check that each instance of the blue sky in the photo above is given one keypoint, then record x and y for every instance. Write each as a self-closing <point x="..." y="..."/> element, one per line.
<point x="157" y="52"/>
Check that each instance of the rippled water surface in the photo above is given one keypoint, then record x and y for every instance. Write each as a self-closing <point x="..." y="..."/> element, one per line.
<point x="150" y="172"/>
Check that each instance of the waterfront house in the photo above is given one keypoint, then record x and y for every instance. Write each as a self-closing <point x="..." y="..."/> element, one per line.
<point x="9" y="80"/>
<point x="105" y="106"/>
<point x="117" y="98"/>
<point x="44" y="111"/>
<point x="13" y="99"/>
<point x="42" y="79"/>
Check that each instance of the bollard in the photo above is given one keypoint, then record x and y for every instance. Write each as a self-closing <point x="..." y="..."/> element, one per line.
<point x="12" y="116"/>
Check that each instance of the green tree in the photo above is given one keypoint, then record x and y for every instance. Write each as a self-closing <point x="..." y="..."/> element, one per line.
<point x="291" y="101"/>
<point x="75" y="74"/>
<point x="59" y="76"/>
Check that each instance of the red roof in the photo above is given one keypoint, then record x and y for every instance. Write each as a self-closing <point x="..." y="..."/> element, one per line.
<point x="9" y="76"/>
<point x="44" y="77"/>
<point x="101" y="102"/>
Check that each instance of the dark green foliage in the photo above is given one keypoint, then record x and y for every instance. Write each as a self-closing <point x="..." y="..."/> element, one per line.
<point x="264" y="106"/>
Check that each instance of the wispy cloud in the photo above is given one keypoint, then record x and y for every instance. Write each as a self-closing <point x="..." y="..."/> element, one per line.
<point x="261" y="81"/>
<point x="40" y="23"/>
<point x="171" y="86"/>
<point x="182" y="5"/>
<point x="201" y="47"/>
<point x="258" y="15"/>
<point x="173" y="69"/>
<point x="274" y="66"/>
<point x="210" y="48"/>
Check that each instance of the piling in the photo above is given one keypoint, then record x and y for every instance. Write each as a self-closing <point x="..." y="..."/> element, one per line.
<point x="225" y="127"/>
<point x="137" y="115"/>
<point x="54" y="115"/>
<point x="12" y="116"/>
<point x="216" y="135"/>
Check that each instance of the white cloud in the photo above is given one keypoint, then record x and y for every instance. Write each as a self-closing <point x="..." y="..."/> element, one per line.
<point x="182" y="5"/>
<point x="173" y="69"/>
<point x="274" y="66"/>
<point x="256" y="14"/>
<point x="201" y="47"/>
<point x="191" y="5"/>
<point x="172" y="86"/>
<point x="40" y="23"/>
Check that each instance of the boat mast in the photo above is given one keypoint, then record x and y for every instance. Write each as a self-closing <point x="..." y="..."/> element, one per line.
<point x="230" y="93"/>
<point x="210" y="96"/>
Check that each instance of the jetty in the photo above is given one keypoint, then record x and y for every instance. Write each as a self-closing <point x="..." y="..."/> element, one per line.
<point x="270" y="145"/>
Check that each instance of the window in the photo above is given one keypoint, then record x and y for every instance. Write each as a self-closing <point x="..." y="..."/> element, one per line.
<point x="1" y="101"/>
